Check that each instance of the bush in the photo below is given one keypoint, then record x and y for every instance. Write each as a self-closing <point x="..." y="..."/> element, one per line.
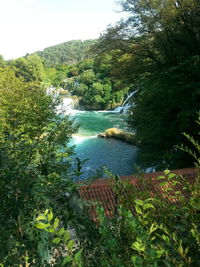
<point x="34" y="167"/>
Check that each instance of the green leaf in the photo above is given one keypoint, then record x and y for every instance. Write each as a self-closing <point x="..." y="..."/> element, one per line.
<point x="138" y="246"/>
<point x="137" y="261"/>
<point x="56" y="222"/>
<point x="67" y="236"/>
<point x="56" y="240"/>
<point x="168" y="189"/>
<point x="70" y="245"/>
<point x="148" y="206"/>
<point x="160" y="253"/>
<point x="180" y="250"/>
<point x="165" y="238"/>
<point x="42" y="225"/>
<point x="166" y="263"/>
<point x="41" y="217"/>
<point x="166" y="172"/>
<point x="67" y="260"/>
<point x="163" y="184"/>
<point x="139" y="202"/>
<point x="175" y="183"/>
<point x="46" y="212"/>
<point x="153" y="228"/>
<point x="77" y="256"/>
<point x="149" y="199"/>
<point x="171" y="176"/>
<point x="138" y="209"/>
<point x="51" y="230"/>
<point x="50" y="216"/>
<point x="61" y="231"/>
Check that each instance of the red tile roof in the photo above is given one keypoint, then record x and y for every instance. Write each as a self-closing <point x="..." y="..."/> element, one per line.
<point x="101" y="191"/>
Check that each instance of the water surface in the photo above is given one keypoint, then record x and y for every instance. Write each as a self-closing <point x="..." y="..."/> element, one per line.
<point x="118" y="156"/>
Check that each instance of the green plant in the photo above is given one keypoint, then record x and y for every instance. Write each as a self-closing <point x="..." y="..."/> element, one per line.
<point x="34" y="165"/>
<point x="195" y="151"/>
<point x="146" y="231"/>
<point x="64" y="250"/>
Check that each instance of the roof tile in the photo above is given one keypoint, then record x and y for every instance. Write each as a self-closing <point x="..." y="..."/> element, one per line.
<point x="100" y="191"/>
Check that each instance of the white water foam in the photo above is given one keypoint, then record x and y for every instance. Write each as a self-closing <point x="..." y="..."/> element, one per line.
<point x="67" y="107"/>
<point x="77" y="139"/>
<point x="104" y="111"/>
<point x="126" y="105"/>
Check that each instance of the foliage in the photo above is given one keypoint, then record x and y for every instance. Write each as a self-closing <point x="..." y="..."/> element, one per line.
<point x="67" y="53"/>
<point x="150" y="230"/>
<point x="146" y="231"/>
<point x="35" y="175"/>
<point x="2" y="62"/>
<point x="56" y="76"/>
<point x="93" y="84"/>
<point x="157" y="52"/>
<point x="162" y="230"/>
<point x="30" y="68"/>
<point x="63" y="247"/>
<point x="34" y="165"/>
<point x="195" y="151"/>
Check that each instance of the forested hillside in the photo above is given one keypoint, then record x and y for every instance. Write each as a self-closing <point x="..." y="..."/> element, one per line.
<point x="70" y="52"/>
<point x="92" y="81"/>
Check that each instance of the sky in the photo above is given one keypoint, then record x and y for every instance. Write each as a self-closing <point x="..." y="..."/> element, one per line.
<point x="31" y="25"/>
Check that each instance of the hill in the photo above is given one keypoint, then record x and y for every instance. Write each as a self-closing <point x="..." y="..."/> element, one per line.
<point x="70" y="52"/>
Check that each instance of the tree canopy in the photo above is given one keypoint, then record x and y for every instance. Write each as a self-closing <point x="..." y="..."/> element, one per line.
<point x="161" y="47"/>
<point x="30" y="68"/>
<point x="67" y="53"/>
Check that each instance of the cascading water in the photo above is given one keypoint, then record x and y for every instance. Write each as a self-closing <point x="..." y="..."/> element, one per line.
<point x="118" y="156"/>
<point x="126" y="105"/>
<point x="67" y="106"/>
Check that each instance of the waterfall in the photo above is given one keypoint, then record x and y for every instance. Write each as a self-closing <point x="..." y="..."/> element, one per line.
<point x="67" y="106"/>
<point x="126" y="105"/>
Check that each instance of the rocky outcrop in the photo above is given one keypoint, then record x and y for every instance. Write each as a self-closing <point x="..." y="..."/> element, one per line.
<point x="118" y="134"/>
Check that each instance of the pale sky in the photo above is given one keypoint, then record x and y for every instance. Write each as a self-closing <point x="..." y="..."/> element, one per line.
<point x="31" y="25"/>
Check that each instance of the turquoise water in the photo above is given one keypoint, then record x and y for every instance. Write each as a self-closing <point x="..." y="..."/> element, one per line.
<point x="95" y="122"/>
<point x="118" y="156"/>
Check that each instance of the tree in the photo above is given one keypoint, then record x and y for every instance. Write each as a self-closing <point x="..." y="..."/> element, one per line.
<point x="34" y="166"/>
<point x="30" y="68"/>
<point x="69" y="53"/>
<point x="2" y="62"/>
<point x="160" y="45"/>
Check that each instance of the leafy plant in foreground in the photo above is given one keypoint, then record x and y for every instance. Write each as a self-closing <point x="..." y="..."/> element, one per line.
<point x="64" y="250"/>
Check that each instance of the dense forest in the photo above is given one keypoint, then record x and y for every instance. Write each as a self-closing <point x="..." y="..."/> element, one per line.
<point x="67" y="53"/>
<point x="156" y="52"/>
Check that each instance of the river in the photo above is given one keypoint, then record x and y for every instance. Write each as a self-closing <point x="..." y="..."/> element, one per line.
<point x="118" y="156"/>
